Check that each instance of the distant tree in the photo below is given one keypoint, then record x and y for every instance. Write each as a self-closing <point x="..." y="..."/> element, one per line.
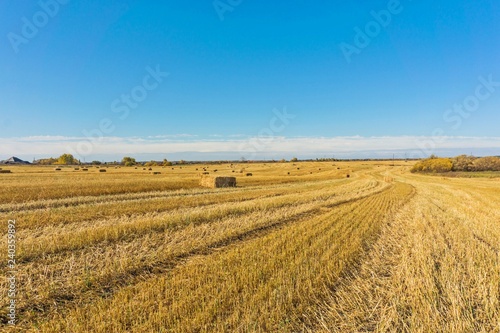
<point x="166" y="163"/>
<point x="433" y="165"/>
<point x="46" y="161"/>
<point x="487" y="164"/>
<point x="294" y="159"/>
<point x="96" y="162"/>
<point x="67" y="159"/>
<point x="463" y="163"/>
<point x="128" y="161"/>
<point x="282" y="160"/>
<point x="181" y="162"/>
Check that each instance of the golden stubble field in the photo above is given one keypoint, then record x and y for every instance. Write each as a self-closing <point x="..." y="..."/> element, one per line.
<point x="296" y="247"/>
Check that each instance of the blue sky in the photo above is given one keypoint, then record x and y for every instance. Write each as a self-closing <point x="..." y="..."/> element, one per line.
<point x="232" y="66"/>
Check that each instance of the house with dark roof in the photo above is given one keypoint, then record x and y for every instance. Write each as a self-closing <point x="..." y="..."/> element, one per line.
<point x="14" y="160"/>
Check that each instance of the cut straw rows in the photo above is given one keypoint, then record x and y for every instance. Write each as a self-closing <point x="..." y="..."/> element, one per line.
<point x="263" y="284"/>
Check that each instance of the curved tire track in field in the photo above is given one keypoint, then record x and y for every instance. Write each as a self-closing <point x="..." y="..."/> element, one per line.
<point x="428" y="272"/>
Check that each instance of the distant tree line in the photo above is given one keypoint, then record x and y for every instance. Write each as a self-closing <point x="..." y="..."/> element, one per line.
<point x="462" y="163"/>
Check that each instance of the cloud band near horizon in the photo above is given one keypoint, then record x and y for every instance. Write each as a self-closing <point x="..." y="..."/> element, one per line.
<point x="249" y="147"/>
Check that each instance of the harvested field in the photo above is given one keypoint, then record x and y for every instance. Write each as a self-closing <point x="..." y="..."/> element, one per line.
<point x="381" y="251"/>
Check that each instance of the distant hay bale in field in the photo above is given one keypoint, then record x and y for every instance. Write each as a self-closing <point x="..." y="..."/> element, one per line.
<point x="298" y="168"/>
<point x="85" y="169"/>
<point x="215" y="170"/>
<point x="4" y="171"/>
<point x="150" y="169"/>
<point x="232" y="171"/>
<point x="77" y="169"/>
<point x="348" y="176"/>
<point x="102" y="170"/>
<point x="217" y="182"/>
<point x="249" y="174"/>
<point x="205" y="173"/>
<point x="57" y="169"/>
<point x="288" y="173"/>
<point x="157" y="173"/>
<point x="311" y="172"/>
<point x="338" y="168"/>
<point x="143" y="168"/>
<point x="319" y="169"/>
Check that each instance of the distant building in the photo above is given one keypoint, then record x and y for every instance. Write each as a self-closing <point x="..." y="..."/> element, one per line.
<point x="14" y="160"/>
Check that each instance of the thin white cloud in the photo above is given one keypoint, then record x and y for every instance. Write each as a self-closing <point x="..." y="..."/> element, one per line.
<point x="173" y="136"/>
<point x="252" y="147"/>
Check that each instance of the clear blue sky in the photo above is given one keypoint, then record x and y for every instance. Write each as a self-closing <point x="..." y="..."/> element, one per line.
<point x="226" y="76"/>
